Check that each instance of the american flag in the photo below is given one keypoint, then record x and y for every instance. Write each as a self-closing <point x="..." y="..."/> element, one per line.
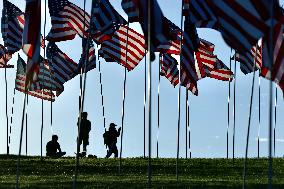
<point x="248" y="59"/>
<point x="162" y="28"/>
<point x="5" y="57"/>
<point x="169" y="68"/>
<point x="88" y="46"/>
<point x="63" y="67"/>
<point x="104" y="20"/>
<point x="32" y="39"/>
<point x="35" y="89"/>
<point x="274" y="72"/>
<point x="187" y="65"/>
<point x="220" y="72"/>
<point x="242" y="23"/>
<point x="12" y="25"/>
<point x="117" y="47"/>
<point x="67" y="20"/>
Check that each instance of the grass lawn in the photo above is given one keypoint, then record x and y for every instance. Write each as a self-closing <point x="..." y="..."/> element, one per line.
<point x="103" y="173"/>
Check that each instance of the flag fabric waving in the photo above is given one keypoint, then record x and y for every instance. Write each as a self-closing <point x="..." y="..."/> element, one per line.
<point x="63" y="67"/>
<point x="124" y="41"/>
<point x="248" y="59"/>
<point x="104" y="20"/>
<point x="32" y="39"/>
<point x="169" y="68"/>
<point x="241" y="22"/>
<point x="12" y="25"/>
<point x="162" y="28"/>
<point x="20" y="81"/>
<point x="187" y="65"/>
<point x="67" y="20"/>
<point x="220" y="72"/>
<point x="88" y="46"/>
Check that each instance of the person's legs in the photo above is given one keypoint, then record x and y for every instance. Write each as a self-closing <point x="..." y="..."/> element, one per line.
<point x="115" y="151"/>
<point x="110" y="150"/>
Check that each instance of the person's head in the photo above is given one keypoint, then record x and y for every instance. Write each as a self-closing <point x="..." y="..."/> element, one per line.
<point x="84" y="115"/>
<point x="112" y="126"/>
<point x="54" y="137"/>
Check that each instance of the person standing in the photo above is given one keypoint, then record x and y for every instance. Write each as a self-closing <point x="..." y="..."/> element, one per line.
<point x="110" y="139"/>
<point x="84" y="131"/>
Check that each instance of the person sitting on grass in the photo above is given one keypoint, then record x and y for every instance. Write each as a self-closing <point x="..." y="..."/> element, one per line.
<point x="52" y="147"/>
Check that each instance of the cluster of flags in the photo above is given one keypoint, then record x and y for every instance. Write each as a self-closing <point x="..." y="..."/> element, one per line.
<point x="244" y="24"/>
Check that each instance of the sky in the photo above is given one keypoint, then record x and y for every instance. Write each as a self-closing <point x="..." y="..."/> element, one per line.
<point x="208" y="111"/>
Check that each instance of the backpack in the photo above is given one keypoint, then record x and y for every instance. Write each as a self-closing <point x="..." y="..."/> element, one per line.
<point x="106" y="136"/>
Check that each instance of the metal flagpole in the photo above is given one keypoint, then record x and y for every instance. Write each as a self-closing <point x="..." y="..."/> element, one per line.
<point x="20" y="145"/>
<point x="6" y="107"/>
<point x="12" y="114"/>
<point x="271" y="52"/>
<point x="83" y="90"/>
<point x="150" y="11"/>
<point x="27" y="125"/>
<point x="44" y="52"/>
<point x="123" y="99"/>
<point x="160" y="59"/>
<point x="189" y="130"/>
<point x="229" y="97"/>
<point x="234" y="128"/>
<point x="258" y="134"/>
<point x="186" y="123"/>
<point x="101" y="89"/>
<point x="145" y="98"/>
<point x="179" y="104"/>
<point x="275" y="121"/>
<point x="249" y="124"/>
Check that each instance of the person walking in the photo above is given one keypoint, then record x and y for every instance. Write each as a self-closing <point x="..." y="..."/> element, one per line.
<point x="84" y="131"/>
<point x="110" y="139"/>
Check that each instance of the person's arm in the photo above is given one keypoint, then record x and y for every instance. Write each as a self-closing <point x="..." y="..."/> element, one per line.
<point x="58" y="147"/>
<point x="118" y="132"/>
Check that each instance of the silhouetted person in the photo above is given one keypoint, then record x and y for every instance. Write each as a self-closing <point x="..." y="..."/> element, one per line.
<point x="110" y="139"/>
<point x="53" y="148"/>
<point x="85" y="129"/>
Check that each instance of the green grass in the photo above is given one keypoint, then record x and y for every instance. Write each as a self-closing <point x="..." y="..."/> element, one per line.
<point x="103" y="173"/>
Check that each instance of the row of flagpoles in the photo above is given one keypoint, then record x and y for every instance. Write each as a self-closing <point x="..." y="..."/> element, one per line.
<point x="158" y="32"/>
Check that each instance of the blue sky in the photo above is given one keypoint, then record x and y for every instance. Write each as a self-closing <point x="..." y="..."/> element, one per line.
<point x="208" y="111"/>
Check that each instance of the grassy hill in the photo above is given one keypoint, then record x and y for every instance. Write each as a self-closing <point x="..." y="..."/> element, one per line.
<point x="103" y="173"/>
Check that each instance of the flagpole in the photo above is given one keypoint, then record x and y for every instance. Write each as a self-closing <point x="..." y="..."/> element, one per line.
<point x="145" y="98"/>
<point x="11" y="118"/>
<point x="234" y="128"/>
<point x="20" y="145"/>
<point x="150" y="11"/>
<point x="249" y="123"/>
<point x="27" y="125"/>
<point x="123" y="98"/>
<point x="229" y="97"/>
<point x="6" y="106"/>
<point x="275" y="121"/>
<point x="271" y="52"/>
<point x="186" y="123"/>
<point x="179" y="103"/>
<point x="159" y="84"/>
<point x="258" y="115"/>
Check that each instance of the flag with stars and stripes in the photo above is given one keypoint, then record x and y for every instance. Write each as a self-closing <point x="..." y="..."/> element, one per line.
<point x="63" y="67"/>
<point x="104" y="20"/>
<point x="126" y="47"/>
<point x="12" y="26"/>
<point x="32" y="39"/>
<point x="87" y="46"/>
<point x="35" y="89"/>
<point x="169" y="68"/>
<point x="67" y="20"/>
